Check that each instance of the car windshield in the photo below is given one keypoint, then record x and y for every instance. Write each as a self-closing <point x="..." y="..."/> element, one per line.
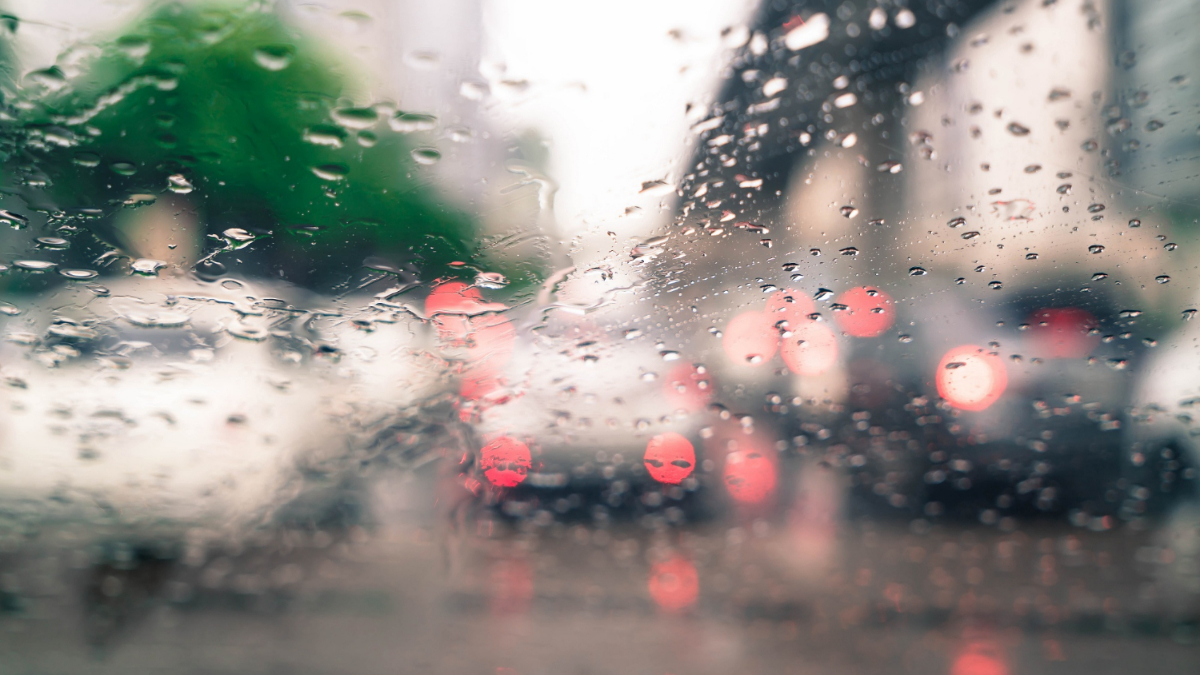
<point x="520" y="337"/>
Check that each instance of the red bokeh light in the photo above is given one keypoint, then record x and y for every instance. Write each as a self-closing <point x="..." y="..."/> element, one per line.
<point x="869" y="312"/>
<point x="506" y="462"/>
<point x="1063" y="332"/>
<point x="811" y="350"/>
<point x="674" y="584"/>
<point x="971" y="378"/>
<point x="485" y="340"/>
<point x="749" y="475"/>
<point x="790" y="305"/>
<point x="670" y="458"/>
<point x="689" y="387"/>
<point x="750" y="339"/>
<point x="979" y="658"/>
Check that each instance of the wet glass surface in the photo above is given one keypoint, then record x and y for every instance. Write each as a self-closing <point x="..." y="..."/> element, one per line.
<point x="520" y="337"/>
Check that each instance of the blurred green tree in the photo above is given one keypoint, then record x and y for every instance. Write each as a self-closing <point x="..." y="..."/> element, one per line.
<point x="250" y="120"/>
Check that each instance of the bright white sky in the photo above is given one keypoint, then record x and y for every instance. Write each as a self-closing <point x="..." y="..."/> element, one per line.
<point x="628" y="125"/>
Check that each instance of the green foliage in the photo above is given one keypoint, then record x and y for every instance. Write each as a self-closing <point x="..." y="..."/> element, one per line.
<point x="253" y="114"/>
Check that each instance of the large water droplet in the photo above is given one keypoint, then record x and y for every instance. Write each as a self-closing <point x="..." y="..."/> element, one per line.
<point x="426" y="156"/>
<point x="54" y="243"/>
<point x="1162" y="278"/>
<point x="13" y="219"/>
<point x="355" y="118"/>
<point x="331" y="171"/>
<point x="1017" y="129"/>
<point x="407" y="122"/>
<point x="917" y="271"/>
<point x="79" y="274"/>
<point x="179" y="184"/>
<point x="146" y="267"/>
<point x="1095" y="248"/>
<point x="33" y="265"/>
<point x="274" y="57"/>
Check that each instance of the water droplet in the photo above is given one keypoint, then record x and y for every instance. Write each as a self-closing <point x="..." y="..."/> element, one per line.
<point x="877" y="222"/>
<point x="237" y="234"/>
<point x="146" y="267"/>
<point x="1033" y="168"/>
<point x="426" y="156"/>
<point x="491" y="280"/>
<point x="331" y="171"/>
<point x="123" y="168"/>
<point x="209" y="270"/>
<point x="955" y="365"/>
<point x="1134" y="222"/>
<point x="1099" y="275"/>
<point x="1171" y="246"/>
<point x="246" y="332"/>
<point x="1031" y="256"/>
<point x="917" y="272"/>
<point x="51" y="78"/>
<point x="1064" y="189"/>
<point x="52" y="242"/>
<point x="905" y="338"/>
<point x="79" y="274"/>
<point x="970" y="235"/>
<point x="814" y="252"/>
<point x="1162" y="278"/>
<point x="355" y="118"/>
<point x="33" y="265"/>
<point x="1095" y="248"/>
<point x="1095" y="208"/>
<point x="1130" y="313"/>
<point x="995" y="285"/>
<point x="407" y="122"/>
<point x="274" y="57"/>
<point x="9" y="309"/>
<point x="669" y="355"/>
<point x="848" y="211"/>
<point x="1117" y="363"/>
<point x="957" y="223"/>
<point x="14" y="220"/>
<point x="1154" y="125"/>
<point x="1188" y="314"/>
<point x="769" y="288"/>
<point x="960" y="281"/>
<point x="1149" y="342"/>
<point x="823" y="294"/>
<point x="87" y="159"/>
<point x="849" y="250"/>
<point x="1017" y="129"/>
<point x="179" y="184"/>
